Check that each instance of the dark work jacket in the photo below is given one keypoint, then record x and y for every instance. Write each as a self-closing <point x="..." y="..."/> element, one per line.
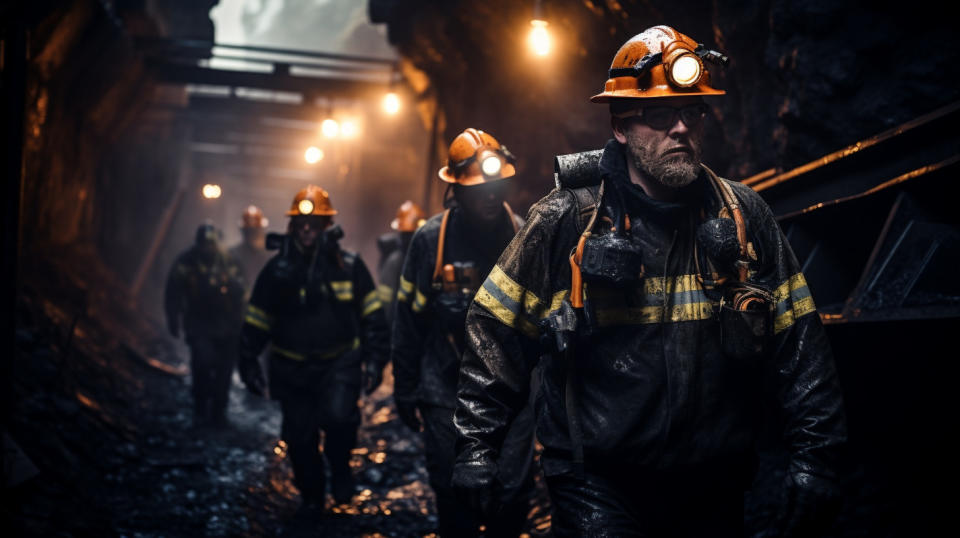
<point x="206" y="291"/>
<point x="315" y="307"/>
<point x="389" y="277"/>
<point x="655" y="391"/>
<point x="428" y="331"/>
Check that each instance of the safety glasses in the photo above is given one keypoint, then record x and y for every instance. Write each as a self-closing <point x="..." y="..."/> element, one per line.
<point x="663" y="117"/>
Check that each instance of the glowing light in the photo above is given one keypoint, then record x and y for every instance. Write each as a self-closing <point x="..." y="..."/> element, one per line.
<point x="330" y="128"/>
<point x="421" y="222"/>
<point x="685" y="70"/>
<point x="211" y="191"/>
<point x="349" y="129"/>
<point x="391" y="103"/>
<point x="539" y="39"/>
<point x="491" y="165"/>
<point x="305" y="207"/>
<point x="313" y="155"/>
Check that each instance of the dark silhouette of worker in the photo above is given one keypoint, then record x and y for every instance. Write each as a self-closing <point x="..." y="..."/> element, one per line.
<point x="204" y="296"/>
<point x="251" y="252"/>
<point x="315" y="303"/>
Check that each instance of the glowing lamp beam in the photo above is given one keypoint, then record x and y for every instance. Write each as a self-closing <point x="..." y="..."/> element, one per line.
<point x="313" y="155"/>
<point x="539" y="38"/>
<point x="211" y="191"/>
<point x="391" y="103"/>
<point x="349" y="129"/>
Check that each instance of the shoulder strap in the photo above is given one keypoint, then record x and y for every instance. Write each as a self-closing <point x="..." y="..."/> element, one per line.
<point x="438" y="266"/>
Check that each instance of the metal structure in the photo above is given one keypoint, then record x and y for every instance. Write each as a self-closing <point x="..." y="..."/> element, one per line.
<point x="873" y="225"/>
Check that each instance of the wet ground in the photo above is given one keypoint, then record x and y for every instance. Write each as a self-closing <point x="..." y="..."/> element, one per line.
<point x="105" y="416"/>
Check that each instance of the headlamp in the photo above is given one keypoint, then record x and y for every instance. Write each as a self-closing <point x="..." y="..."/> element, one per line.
<point x="305" y="207"/>
<point x="683" y="67"/>
<point x="490" y="163"/>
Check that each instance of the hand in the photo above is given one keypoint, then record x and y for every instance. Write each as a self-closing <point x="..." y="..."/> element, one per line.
<point x="407" y="411"/>
<point x="372" y="377"/>
<point x="252" y="376"/>
<point x="811" y="505"/>
<point x="474" y="483"/>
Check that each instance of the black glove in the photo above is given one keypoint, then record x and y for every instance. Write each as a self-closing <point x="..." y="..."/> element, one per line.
<point x="407" y="411"/>
<point x="252" y="375"/>
<point x="372" y="377"/>
<point x="475" y="484"/>
<point x="809" y="508"/>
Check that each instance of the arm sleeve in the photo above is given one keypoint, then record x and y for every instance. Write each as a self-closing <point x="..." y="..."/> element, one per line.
<point x="410" y="323"/>
<point x="258" y="318"/>
<point x="374" y="333"/>
<point x="805" y="384"/>
<point x="525" y="287"/>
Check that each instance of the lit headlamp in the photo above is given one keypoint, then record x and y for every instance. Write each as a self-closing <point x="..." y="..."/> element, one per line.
<point x="491" y="161"/>
<point x="305" y="207"/>
<point x="684" y="67"/>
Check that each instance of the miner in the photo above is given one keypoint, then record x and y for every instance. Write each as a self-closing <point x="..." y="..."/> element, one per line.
<point x="448" y="259"/>
<point x="204" y="296"/>
<point x="673" y="312"/>
<point x="409" y="218"/>
<point x="251" y="252"/>
<point x="315" y="303"/>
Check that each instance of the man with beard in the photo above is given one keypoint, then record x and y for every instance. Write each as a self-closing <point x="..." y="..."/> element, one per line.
<point x="316" y="304"/>
<point x="448" y="259"/>
<point x="205" y="291"/>
<point x="674" y="312"/>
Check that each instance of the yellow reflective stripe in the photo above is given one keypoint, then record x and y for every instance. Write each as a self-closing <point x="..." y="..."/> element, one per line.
<point x="256" y="322"/>
<point x="258" y="318"/>
<point x="533" y="306"/>
<point x="339" y="350"/>
<point x="406" y="287"/>
<point x="506" y="315"/>
<point x="420" y="302"/>
<point x="371" y="303"/>
<point x="793" y="301"/>
<point x="385" y="292"/>
<point x="655" y="314"/>
<point x="343" y="289"/>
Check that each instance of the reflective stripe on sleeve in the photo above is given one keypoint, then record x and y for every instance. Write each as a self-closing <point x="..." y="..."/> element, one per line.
<point x="371" y="303"/>
<point x="258" y="318"/>
<point x="793" y="301"/>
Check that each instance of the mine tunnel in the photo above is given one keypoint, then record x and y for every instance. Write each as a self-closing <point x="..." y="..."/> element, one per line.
<point x="129" y="124"/>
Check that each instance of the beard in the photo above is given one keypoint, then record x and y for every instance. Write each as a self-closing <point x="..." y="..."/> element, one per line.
<point x="672" y="170"/>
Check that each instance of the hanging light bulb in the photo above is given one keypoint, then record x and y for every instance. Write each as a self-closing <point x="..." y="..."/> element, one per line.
<point x="539" y="38"/>
<point x="391" y="103"/>
<point x="330" y="128"/>
<point x="313" y="155"/>
<point x="211" y="191"/>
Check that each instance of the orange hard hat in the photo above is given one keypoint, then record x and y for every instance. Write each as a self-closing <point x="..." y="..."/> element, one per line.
<point x="311" y="200"/>
<point x="476" y="157"/>
<point x="253" y="218"/>
<point x="409" y="217"/>
<point x="660" y="62"/>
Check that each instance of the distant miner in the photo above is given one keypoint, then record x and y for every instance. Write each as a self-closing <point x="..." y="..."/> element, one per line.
<point x="448" y="259"/>
<point x="409" y="218"/>
<point x="205" y="292"/>
<point x="251" y="252"/>
<point x="316" y="304"/>
<point x="675" y="314"/>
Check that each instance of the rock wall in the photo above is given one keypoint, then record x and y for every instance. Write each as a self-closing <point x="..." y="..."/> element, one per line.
<point x="806" y="77"/>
